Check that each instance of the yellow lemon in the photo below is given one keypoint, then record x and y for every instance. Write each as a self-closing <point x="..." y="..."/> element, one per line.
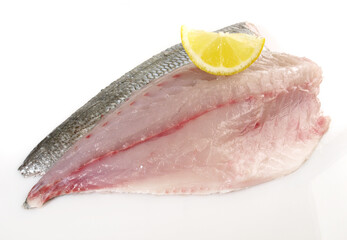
<point x="221" y="53"/>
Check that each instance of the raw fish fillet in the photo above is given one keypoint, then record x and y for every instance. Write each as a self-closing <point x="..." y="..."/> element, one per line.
<point x="190" y="132"/>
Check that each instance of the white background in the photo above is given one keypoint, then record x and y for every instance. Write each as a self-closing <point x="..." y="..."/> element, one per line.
<point x="56" y="55"/>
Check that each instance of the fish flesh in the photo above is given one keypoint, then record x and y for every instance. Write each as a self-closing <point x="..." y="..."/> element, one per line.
<point x="184" y="131"/>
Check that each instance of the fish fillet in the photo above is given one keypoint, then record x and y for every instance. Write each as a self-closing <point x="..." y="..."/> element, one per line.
<point x="190" y="132"/>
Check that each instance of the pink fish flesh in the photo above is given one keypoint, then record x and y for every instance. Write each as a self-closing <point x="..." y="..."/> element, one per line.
<point x="190" y="132"/>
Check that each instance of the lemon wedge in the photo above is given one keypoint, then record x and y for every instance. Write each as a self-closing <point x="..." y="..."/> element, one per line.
<point x="221" y="53"/>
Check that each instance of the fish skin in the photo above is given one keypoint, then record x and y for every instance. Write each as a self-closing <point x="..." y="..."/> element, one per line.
<point x="59" y="141"/>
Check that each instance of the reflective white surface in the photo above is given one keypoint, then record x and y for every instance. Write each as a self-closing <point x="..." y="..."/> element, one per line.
<point x="56" y="56"/>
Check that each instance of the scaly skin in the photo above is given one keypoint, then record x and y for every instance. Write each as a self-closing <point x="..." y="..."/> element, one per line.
<point x="59" y="141"/>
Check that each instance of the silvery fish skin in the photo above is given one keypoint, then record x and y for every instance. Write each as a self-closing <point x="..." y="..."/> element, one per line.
<point x="58" y="142"/>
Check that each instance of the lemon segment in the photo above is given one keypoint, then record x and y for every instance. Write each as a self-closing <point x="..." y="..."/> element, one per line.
<point x="221" y="53"/>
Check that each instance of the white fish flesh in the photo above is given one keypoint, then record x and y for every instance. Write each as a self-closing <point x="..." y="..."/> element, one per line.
<point x="190" y="132"/>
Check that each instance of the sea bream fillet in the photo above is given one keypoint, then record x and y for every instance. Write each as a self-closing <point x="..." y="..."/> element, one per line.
<point x="190" y="132"/>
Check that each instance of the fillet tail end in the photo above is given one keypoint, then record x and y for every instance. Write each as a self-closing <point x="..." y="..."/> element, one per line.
<point x="32" y="204"/>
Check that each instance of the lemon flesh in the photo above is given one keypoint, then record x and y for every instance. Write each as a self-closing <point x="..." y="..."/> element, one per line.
<point x="221" y="53"/>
